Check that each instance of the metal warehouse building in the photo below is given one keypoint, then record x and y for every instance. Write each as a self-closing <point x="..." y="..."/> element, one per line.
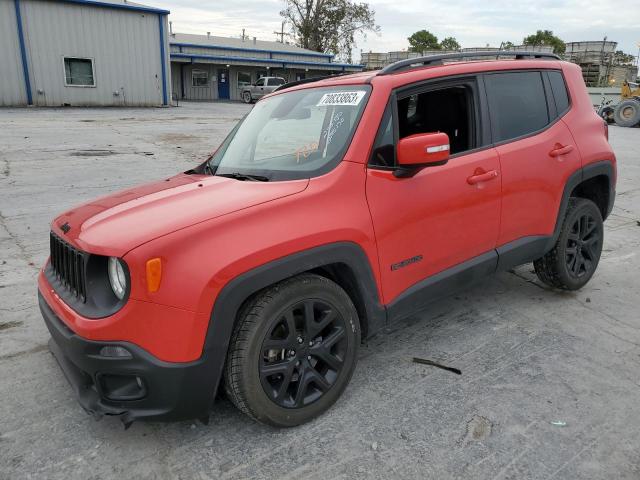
<point x="82" y="53"/>
<point x="206" y="67"/>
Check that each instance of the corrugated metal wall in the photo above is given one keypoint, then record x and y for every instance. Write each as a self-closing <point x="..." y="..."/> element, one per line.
<point x="12" y="90"/>
<point x="250" y="53"/>
<point x="124" y="46"/>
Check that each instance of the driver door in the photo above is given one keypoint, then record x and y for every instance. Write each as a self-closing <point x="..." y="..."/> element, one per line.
<point x="441" y="221"/>
<point x="257" y="90"/>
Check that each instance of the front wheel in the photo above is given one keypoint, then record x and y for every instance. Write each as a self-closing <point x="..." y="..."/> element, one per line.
<point x="246" y="97"/>
<point x="574" y="258"/>
<point x="293" y="351"/>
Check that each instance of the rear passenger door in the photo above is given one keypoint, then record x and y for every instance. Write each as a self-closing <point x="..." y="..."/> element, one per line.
<point x="273" y="83"/>
<point x="536" y="149"/>
<point x="257" y="90"/>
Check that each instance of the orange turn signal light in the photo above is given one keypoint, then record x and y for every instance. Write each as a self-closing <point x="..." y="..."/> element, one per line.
<point x="154" y="274"/>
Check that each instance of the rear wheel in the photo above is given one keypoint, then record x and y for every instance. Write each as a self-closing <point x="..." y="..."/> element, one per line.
<point x="246" y="97"/>
<point x="293" y="351"/>
<point x="627" y="113"/>
<point x="574" y="258"/>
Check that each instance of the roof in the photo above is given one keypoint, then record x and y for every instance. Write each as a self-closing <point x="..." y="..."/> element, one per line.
<point x="238" y="43"/>
<point x="119" y="5"/>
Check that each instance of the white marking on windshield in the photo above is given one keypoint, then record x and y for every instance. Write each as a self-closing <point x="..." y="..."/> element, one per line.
<point x="341" y="98"/>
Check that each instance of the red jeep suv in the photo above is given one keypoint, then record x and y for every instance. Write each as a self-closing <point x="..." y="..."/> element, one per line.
<point x="335" y="207"/>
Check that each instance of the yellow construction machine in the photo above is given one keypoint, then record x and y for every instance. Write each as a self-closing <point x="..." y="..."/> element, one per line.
<point x="627" y="112"/>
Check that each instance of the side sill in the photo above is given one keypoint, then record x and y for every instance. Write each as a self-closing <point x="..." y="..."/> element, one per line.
<point x="466" y="274"/>
<point x="523" y="250"/>
<point x="442" y="284"/>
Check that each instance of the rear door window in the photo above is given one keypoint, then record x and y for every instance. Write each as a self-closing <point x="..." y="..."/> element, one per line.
<point x="517" y="103"/>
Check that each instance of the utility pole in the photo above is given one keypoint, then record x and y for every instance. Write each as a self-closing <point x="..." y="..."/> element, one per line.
<point x="280" y="33"/>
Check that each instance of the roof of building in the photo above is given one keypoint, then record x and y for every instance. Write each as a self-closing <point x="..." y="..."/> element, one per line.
<point x="118" y="4"/>
<point x="238" y="43"/>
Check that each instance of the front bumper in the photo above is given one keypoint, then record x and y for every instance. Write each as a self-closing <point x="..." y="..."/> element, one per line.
<point x="166" y="390"/>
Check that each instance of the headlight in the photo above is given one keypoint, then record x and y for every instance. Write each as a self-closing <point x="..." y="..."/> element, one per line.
<point x="117" y="277"/>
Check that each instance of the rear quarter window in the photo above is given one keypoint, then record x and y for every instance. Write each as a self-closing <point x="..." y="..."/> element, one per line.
<point x="559" y="90"/>
<point x="517" y="103"/>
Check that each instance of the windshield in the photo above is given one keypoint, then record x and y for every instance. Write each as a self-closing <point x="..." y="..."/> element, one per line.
<point x="293" y="135"/>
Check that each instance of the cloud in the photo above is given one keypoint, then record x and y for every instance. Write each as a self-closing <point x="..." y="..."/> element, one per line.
<point x="473" y="23"/>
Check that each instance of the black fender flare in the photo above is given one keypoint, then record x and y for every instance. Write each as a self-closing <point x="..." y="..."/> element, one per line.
<point x="592" y="170"/>
<point x="235" y="293"/>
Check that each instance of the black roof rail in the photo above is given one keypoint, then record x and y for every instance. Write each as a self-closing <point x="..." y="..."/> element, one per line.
<point x="439" y="59"/>
<point x="309" y="80"/>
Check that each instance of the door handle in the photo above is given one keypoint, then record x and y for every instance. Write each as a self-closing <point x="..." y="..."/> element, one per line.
<point x="560" y="149"/>
<point x="482" y="177"/>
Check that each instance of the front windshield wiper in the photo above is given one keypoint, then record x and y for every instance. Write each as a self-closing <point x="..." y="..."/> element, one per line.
<point x="244" y="176"/>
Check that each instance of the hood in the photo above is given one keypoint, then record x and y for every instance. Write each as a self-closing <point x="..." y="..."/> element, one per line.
<point x="117" y="223"/>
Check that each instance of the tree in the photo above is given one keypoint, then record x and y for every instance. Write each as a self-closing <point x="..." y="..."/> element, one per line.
<point x="329" y="26"/>
<point x="621" y="58"/>
<point x="449" y="43"/>
<point x="506" y="45"/>
<point x="545" y="37"/>
<point x="423" y="40"/>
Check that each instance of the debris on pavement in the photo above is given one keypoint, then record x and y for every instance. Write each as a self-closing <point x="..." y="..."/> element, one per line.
<point x="559" y="423"/>
<point x="424" y="361"/>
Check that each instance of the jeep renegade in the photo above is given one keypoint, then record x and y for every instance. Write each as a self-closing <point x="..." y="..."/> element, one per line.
<point x="333" y="208"/>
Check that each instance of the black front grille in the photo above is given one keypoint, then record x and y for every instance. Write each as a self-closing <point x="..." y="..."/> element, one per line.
<point x="69" y="264"/>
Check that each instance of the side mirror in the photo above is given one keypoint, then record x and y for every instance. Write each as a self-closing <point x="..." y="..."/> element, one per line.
<point x="422" y="150"/>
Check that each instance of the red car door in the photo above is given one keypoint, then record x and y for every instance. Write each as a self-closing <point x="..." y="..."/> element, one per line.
<point x="443" y="215"/>
<point x="537" y="151"/>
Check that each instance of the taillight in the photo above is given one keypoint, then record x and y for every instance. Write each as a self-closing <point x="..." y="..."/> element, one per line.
<point x="606" y="130"/>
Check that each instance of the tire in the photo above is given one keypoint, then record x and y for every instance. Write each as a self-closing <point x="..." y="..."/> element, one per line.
<point x="627" y="113"/>
<point x="246" y="97"/>
<point x="293" y="351"/>
<point x="575" y="256"/>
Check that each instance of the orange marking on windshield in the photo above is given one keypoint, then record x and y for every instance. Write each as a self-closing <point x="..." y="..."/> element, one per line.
<point x="305" y="151"/>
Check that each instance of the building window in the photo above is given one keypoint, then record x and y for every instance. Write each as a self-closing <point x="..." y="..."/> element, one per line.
<point x="78" y="72"/>
<point x="244" y="79"/>
<point x="199" y="78"/>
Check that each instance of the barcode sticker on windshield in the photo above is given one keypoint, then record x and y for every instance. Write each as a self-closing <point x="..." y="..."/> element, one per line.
<point x="341" y="98"/>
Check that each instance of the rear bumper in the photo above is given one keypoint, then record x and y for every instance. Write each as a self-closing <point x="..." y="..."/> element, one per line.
<point x="159" y="390"/>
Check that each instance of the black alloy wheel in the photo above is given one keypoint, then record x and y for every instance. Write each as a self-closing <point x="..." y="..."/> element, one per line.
<point x="583" y="246"/>
<point x="293" y="350"/>
<point x="303" y="353"/>
<point x="573" y="260"/>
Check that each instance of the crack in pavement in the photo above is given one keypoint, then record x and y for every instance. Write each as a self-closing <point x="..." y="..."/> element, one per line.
<point x="36" y="349"/>
<point x="23" y="251"/>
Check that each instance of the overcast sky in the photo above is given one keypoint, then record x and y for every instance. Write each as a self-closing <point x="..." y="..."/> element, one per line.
<point x="474" y="23"/>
